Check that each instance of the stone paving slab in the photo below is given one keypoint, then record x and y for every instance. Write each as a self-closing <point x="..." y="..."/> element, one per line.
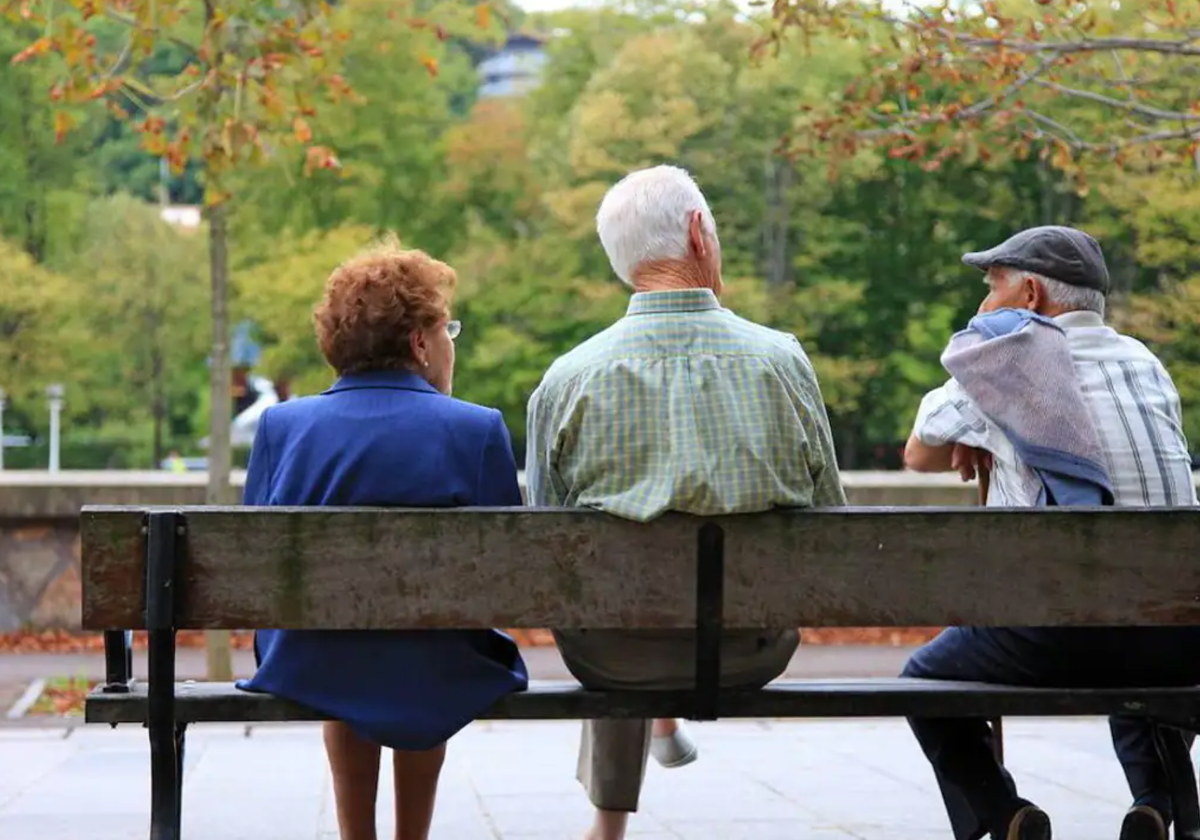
<point x="756" y="780"/>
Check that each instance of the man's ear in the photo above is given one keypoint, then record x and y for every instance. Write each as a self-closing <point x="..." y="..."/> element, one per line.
<point x="1034" y="296"/>
<point x="696" y="234"/>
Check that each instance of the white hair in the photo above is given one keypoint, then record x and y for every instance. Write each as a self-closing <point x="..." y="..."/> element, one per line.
<point x="1071" y="298"/>
<point x="645" y="217"/>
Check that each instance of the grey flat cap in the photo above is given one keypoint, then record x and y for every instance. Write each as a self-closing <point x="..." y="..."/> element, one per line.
<point x="1060" y="253"/>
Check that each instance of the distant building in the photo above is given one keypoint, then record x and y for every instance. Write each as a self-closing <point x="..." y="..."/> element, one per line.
<point x="515" y="69"/>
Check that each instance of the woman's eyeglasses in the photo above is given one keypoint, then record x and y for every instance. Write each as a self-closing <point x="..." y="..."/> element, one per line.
<point x="453" y="328"/>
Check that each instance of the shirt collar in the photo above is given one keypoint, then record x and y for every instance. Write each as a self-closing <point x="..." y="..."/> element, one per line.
<point x="675" y="300"/>
<point x="1078" y="319"/>
<point x="400" y="380"/>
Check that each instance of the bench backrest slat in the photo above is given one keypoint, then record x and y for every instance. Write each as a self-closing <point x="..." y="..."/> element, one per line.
<point x="330" y="568"/>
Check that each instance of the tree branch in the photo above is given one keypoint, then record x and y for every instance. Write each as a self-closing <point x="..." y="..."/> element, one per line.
<point x="1143" y="139"/>
<point x="125" y="20"/>
<point x="122" y="59"/>
<point x="1055" y="125"/>
<point x="1184" y="46"/>
<point x="991" y="101"/>
<point x="1121" y="104"/>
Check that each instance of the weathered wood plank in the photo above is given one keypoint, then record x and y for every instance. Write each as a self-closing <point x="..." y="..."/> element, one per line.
<point x="353" y="569"/>
<point x="913" y="567"/>
<point x="335" y="568"/>
<point x="214" y="702"/>
<point x="111" y="548"/>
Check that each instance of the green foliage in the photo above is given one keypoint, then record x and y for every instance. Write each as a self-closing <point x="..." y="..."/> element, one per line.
<point x="856" y="253"/>
<point x="139" y="319"/>
<point x="36" y="172"/>
<point x="31" y="298"/>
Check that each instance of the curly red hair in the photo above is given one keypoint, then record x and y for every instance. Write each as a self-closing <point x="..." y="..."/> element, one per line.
<point x="374" y="301"/>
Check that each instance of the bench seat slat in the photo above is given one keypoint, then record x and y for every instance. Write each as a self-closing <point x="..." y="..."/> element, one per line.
<point x="815" y="698"/>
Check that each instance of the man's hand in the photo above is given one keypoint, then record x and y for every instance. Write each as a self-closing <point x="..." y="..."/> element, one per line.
<point x="970" y="461"/>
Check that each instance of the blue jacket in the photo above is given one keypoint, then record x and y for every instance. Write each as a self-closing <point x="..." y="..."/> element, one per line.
<point x="386" y="439"/>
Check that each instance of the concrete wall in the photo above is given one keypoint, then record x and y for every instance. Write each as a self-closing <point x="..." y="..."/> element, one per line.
<point x="39" y="535"/>
<point x="30" y="495"/>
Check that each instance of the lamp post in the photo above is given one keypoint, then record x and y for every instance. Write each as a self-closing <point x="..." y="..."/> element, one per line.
<point x="2" y="395"/>
<point x="55" y="394"/>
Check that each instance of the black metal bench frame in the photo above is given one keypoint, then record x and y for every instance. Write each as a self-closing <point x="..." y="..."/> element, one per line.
<point x="167" y="708"/>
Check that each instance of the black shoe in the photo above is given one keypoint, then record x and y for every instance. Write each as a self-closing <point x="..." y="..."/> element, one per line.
<point x="1143" y="823"/>
<point x="1031" y="823"/>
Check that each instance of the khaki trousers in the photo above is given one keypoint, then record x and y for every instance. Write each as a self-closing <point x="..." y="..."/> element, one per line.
<point x="612" y="753"/>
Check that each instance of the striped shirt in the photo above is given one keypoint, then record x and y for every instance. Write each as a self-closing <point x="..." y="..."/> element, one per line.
<point x="1134" y="407"/>
<point x="681" y="406"/>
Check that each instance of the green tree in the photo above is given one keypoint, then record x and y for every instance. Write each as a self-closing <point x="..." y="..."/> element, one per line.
<point x="30" y="299"/>
<point x="390" y="134"/>
<point x="39" y="172"/>
<point x="137" y="298"/>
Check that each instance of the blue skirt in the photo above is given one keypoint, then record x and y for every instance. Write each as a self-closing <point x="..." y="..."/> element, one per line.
<point x="404" y="689"/>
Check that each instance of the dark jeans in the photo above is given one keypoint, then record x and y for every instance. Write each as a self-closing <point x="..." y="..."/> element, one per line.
<point x="978" y="792"/>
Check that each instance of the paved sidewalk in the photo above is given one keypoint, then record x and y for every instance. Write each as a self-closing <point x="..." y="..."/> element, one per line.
<point x="756" y="780"/>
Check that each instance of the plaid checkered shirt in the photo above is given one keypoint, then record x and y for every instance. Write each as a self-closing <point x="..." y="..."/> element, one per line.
<point x="681" y="406"/>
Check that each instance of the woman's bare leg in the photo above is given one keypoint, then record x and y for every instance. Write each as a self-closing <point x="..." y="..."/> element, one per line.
<point x="664" y="727"/>
<point x="609" y="825"/>
<point x="416" y="781"/>
<point x="354" y="763"/>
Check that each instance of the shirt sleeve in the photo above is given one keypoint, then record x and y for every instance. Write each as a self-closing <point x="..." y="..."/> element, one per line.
<point x="947" y="415"/>
<point x="542" y="487"/>
<point x="827" y="479"/>
<point x="257" y="491"/>
<point x="822" y="454"/>
<point x="498" y="486"/>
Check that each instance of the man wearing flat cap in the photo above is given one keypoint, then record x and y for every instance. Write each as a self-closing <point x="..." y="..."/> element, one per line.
<point x="1054" y="408"/>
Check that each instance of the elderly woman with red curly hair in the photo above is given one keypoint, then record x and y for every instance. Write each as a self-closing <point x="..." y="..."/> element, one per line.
<point x="387" y="433"/>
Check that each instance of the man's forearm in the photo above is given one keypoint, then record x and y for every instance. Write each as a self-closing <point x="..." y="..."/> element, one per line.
<point x="923" y="457"/>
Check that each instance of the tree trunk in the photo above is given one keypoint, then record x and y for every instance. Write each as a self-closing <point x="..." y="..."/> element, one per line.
<point x="777" y="221"/>
<point x="1046" y="191"/>
<point x="220" y="666"/>
<point x="158" y="404"/>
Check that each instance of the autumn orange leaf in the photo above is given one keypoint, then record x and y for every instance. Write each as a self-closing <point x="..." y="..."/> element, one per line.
<point x="430" y="64"/>
<point x="62" y="124"/>
<point x="482" y="15"/>
<point x="320" y="157"/>
<point x="302" y="131"/>
<point x="38" y="47"/>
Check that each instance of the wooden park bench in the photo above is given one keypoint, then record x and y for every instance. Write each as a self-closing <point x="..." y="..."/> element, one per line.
<point x="209" y="568"/>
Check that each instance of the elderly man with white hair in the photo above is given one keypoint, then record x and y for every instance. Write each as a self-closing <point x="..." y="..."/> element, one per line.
<point x="678" y="406"/>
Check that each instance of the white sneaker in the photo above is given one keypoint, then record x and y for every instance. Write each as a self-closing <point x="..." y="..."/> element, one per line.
<point x="674" y="750"/>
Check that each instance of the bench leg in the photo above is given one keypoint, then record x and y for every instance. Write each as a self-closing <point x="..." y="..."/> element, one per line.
<point x="997" y="725"/>
<point x="164" y="530"/>
<point x="166" y="781"/>
<point x="118" y="661"/>
<point x="180" y="741"/>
